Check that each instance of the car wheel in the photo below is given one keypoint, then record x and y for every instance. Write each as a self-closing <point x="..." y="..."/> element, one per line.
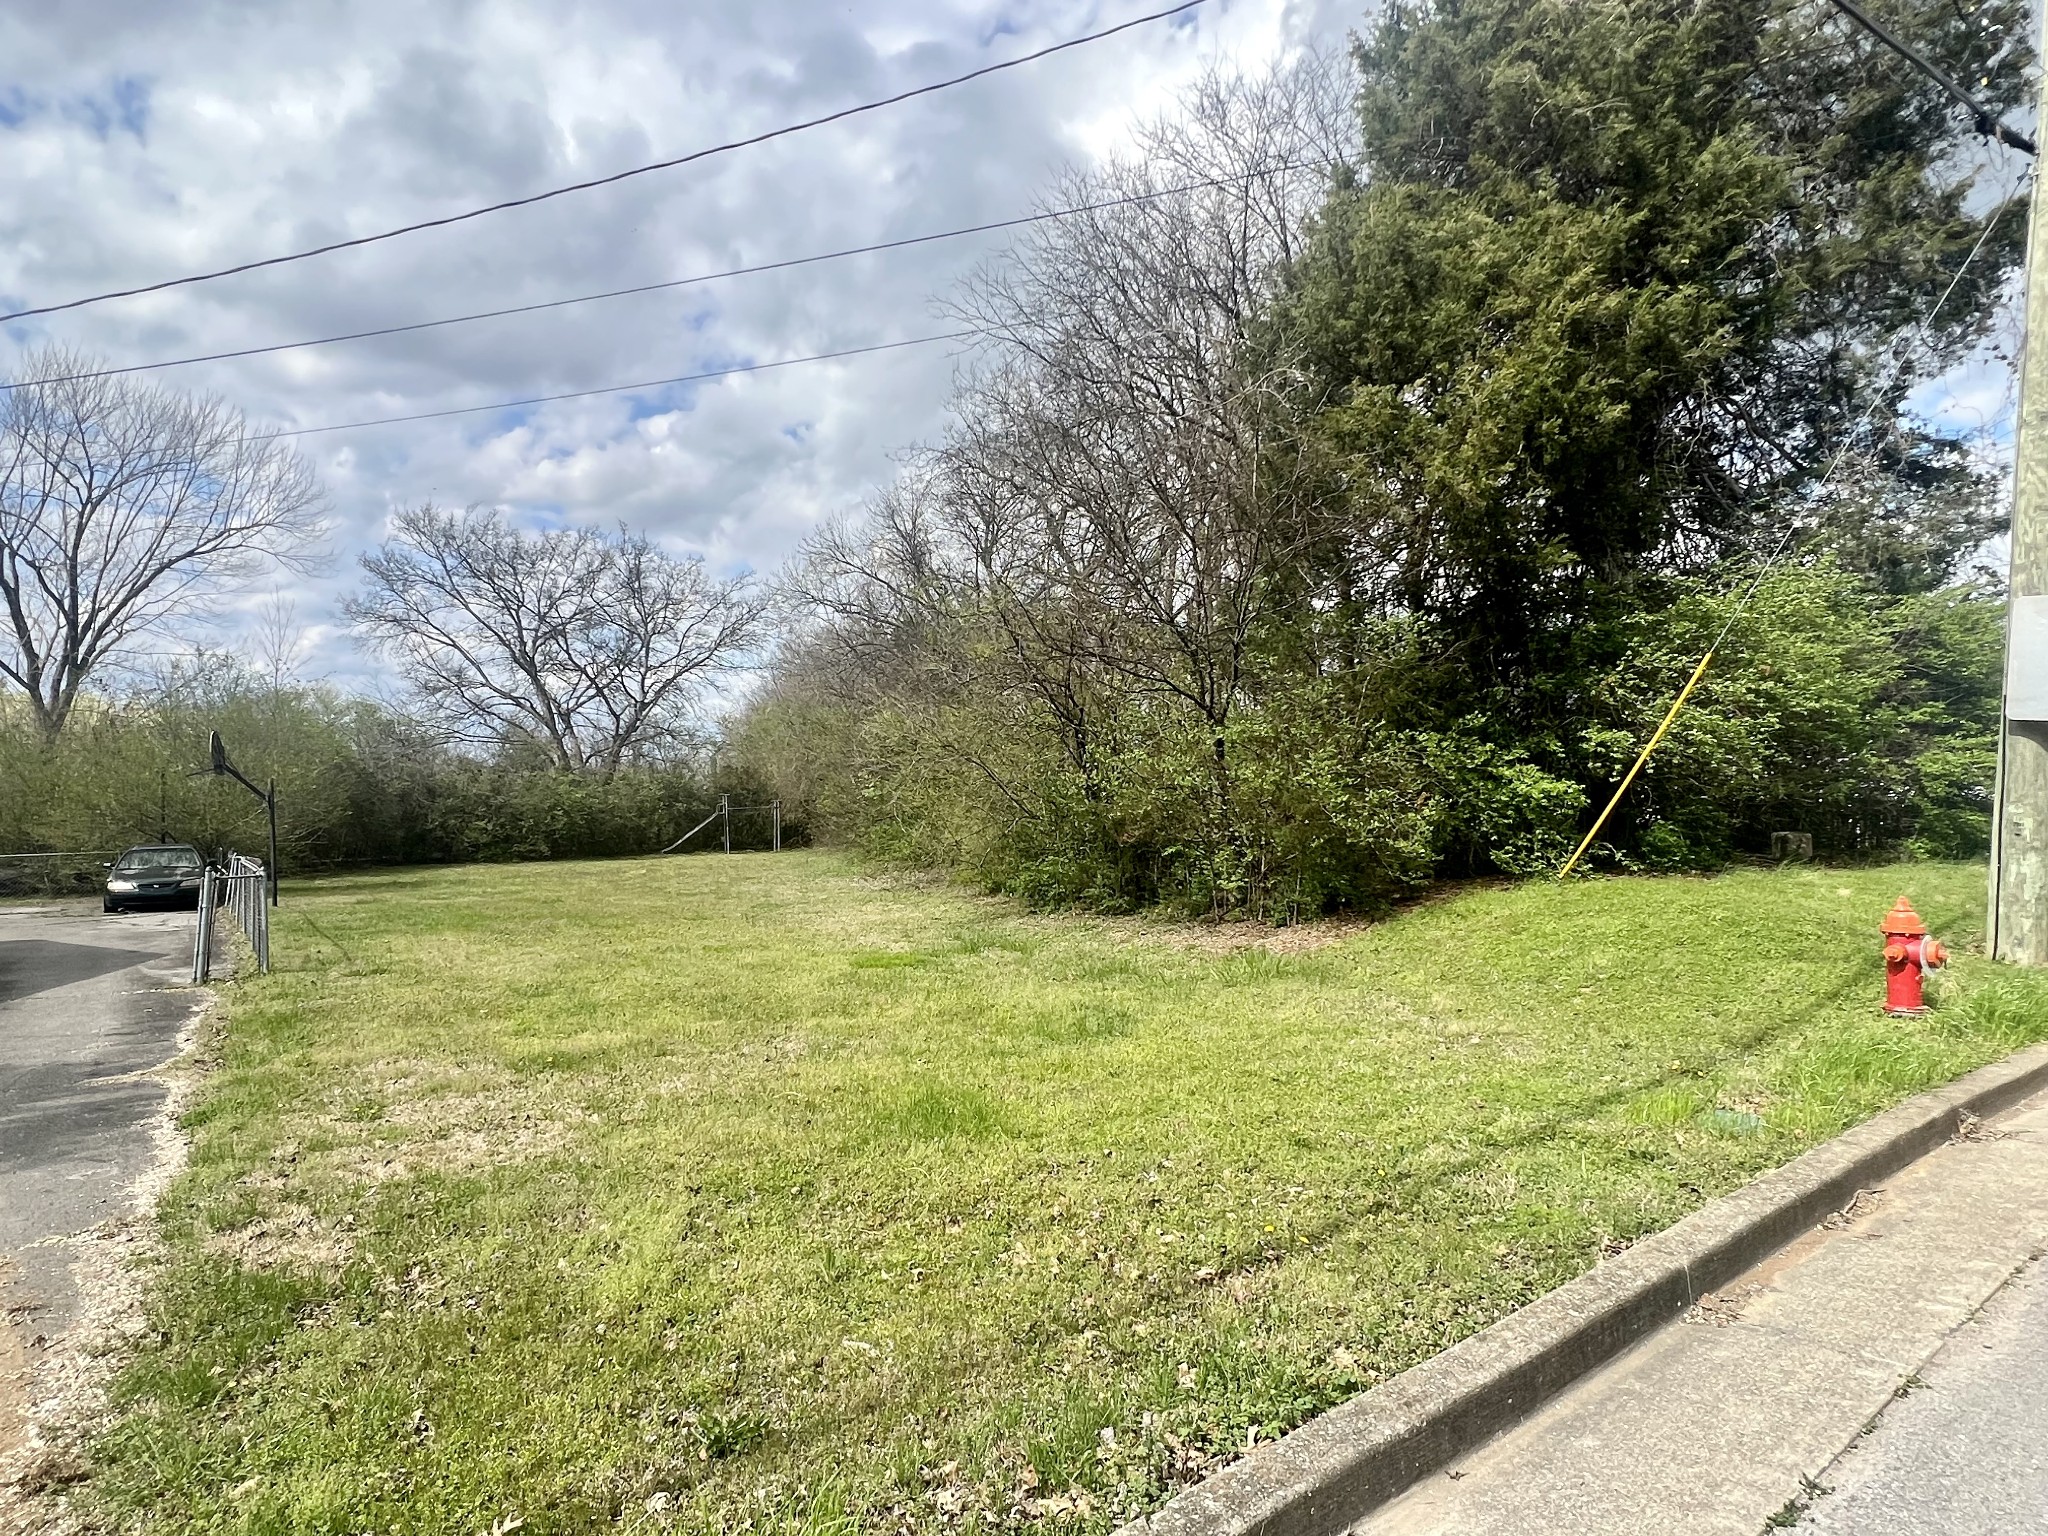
<point x="108" y="904"/>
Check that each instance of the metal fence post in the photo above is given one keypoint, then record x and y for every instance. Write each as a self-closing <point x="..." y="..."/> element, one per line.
<point x="777" y="808"/>
<point x="202" y="936"/>
<point x="725" y="813"/>
<point x="270" y="800"/>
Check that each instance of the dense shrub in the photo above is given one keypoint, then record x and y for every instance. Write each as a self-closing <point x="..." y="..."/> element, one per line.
<point x="1830" y="708"/>
<point x="355" y="784"/>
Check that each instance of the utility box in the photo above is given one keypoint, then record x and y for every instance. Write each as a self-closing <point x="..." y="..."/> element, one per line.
<point x="2026" y="660"/>
<point x="1792" y="847"/>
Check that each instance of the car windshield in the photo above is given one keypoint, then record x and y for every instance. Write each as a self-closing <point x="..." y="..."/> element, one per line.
<point x="149" y="860"/>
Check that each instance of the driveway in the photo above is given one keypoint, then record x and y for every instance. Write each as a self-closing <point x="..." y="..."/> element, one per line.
<point x="89" y="1004"/>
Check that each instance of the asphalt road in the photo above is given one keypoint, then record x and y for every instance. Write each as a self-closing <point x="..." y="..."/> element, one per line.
<point x="88" y="1003"/>
<point x="1965" y="1451"/>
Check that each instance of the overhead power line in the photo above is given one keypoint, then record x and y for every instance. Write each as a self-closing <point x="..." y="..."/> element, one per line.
<point x="613" y="389"/>
<point x="1983" y="118"/>
<point x="616" y="176"/>
<point x="1020" y="222"/>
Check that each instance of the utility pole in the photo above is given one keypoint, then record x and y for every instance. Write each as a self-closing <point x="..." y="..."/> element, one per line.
<point x="2018" y="918"/>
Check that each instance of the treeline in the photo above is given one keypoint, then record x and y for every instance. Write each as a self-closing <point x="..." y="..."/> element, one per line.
<point x="552" y="681"/>
<point x="1343" y="501"/>
<point x="357" y="783"/>
<point x="1335" y="505"/>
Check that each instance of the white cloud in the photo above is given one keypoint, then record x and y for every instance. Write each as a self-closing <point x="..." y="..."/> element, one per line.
<point x="140" y="141"/>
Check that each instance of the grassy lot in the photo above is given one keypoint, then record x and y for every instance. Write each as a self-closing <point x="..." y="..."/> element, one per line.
<point x="752" y="1193"/>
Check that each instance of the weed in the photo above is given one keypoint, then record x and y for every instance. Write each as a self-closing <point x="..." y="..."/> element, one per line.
<point x="1996" y="1010"/>
<point x="1066" y="1447"/>
<point x="935" y="1113"/>
<point x="1797" y="1506"/>
<point x="1678" y="1104"/>
<point x="728" y="1434"/>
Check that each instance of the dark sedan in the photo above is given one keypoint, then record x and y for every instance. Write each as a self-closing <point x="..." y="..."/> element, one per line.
<point x="160" y="875"/>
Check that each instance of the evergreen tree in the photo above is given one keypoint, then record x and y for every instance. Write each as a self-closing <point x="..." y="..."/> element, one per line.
<point x="1616" y="283"/>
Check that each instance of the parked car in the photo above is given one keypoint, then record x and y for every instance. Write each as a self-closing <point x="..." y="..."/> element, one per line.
<point x="155" y="875"/>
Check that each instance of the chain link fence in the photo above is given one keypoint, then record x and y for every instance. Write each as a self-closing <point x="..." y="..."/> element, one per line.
<point x="241" y="888"/>
<point x="768" y="824"/>
<point x="75" y="873"/>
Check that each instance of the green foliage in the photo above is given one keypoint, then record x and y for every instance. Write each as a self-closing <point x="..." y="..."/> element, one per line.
<point x="355" y="785"/>
<point x="1333" y="809"/>
<point x="1499" y="809"/>
<point x="1611" y="293"/>
<point x="1829" y="709"/>
<point x="1612" y="297"/>
<point x="1304" y="807"/>
<point x="1321" y="537"/>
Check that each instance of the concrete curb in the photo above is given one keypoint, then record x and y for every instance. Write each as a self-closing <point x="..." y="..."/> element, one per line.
<point x="1339" y="1467"/>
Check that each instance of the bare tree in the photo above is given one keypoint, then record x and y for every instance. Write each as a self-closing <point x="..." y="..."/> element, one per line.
<point x="1075" y="578"/>
<point x="589" y="647"/>
<point x="1073" y="599"/>
<point x="277" y="643"/>
<point x="126" y="509"/>
<point x="1125" y="481"/>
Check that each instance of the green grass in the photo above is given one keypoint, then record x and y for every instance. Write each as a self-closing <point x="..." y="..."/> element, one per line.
<point x="752" y="1193"/>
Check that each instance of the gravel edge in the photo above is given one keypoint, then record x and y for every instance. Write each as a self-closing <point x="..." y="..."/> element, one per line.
<point x="67" y="1381"/>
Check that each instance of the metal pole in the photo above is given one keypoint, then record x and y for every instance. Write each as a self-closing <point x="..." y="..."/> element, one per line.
<point x="2018" y="918"/>
<point x="778" y="825"/>
<point x="202" y="938"/>
<point x="270" y="799"/>
<point x="725" y="814"/>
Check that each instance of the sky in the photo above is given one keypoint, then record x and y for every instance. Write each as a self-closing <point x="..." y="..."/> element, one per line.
<point x="141" y="140"/>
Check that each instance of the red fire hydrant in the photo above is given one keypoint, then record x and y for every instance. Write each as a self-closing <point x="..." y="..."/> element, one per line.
<point x="1909" y="954"/>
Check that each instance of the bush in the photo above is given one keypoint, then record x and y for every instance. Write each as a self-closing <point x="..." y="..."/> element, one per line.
<point x="1501" y="811"/>
<point x="355" y="785"/>
<point x="1830" y="708"/>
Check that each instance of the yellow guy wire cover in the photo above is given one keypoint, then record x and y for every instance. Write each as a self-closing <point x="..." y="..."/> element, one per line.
<point x="1643" y="757"/>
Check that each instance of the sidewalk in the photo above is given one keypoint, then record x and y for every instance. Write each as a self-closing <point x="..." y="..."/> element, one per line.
<point x="1735" y="1416"/>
